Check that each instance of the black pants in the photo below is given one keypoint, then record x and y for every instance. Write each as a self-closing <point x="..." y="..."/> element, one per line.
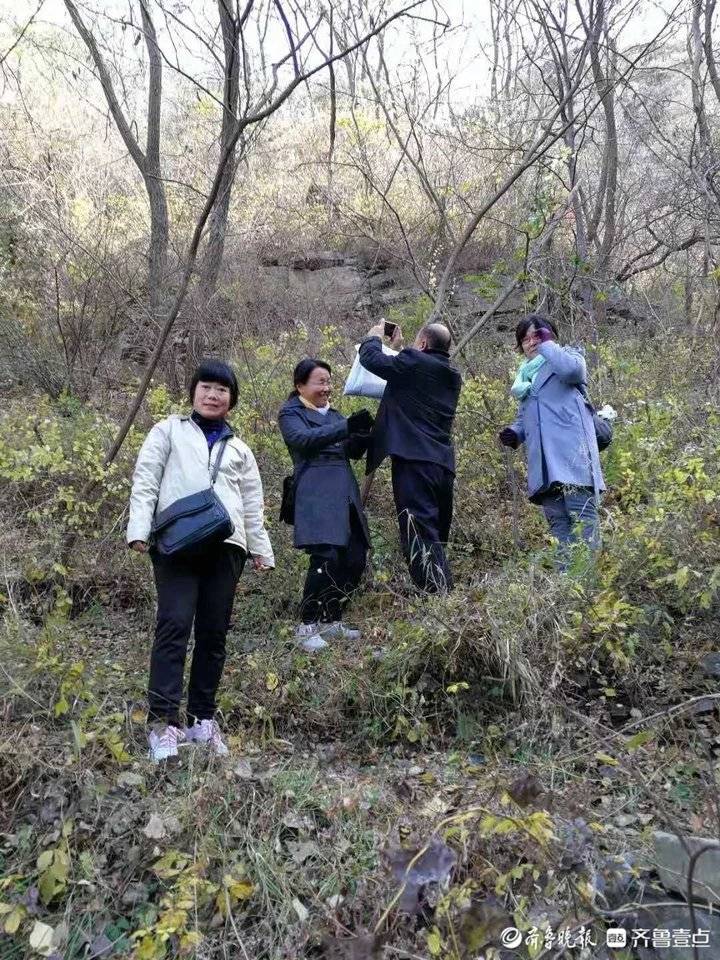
<point x="200" y="588"/>
<point x="333" y="574"/>
<point x="424" y="503"/>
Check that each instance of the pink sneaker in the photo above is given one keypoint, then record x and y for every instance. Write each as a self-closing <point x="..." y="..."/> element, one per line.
<point x="207" y="731"/>
<point x="164" y="743"/>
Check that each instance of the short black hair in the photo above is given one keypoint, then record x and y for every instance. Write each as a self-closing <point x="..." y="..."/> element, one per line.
<point x="536" y="320"/>
<point x="303" y="371"/>
<point x="437" y="336"/>
<point x="215" y="371"/>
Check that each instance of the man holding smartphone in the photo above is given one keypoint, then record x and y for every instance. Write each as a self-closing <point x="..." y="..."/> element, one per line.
<point x="413" y="427"/>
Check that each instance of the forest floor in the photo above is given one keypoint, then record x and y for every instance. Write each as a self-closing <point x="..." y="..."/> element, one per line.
<point x="321" y="836"/>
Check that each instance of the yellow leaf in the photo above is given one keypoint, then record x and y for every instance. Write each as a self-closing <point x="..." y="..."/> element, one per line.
<point x="434" y="943"/>
<point x="271" y="681"/>
<point x="14" y="919"/>
<point x="241" y="890"/>
<point x="189" y="942"/>
<point x="607" y="759"/>
<point x="150" y="948"/>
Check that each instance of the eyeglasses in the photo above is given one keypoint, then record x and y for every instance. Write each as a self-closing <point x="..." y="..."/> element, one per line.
<point x="318" y="383"/>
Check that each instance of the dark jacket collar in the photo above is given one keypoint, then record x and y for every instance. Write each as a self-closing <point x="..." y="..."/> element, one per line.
<point x="211" y="426"/>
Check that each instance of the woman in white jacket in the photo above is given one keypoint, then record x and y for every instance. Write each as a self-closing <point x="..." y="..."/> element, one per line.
<point x="176" y="460"/>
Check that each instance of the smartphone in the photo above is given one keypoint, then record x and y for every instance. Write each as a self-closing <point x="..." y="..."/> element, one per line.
<point x="390" y="329"/>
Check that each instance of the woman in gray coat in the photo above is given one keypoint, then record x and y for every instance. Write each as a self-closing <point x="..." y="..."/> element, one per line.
<point x="555" y="422"/>
<point x="329" y="522"/>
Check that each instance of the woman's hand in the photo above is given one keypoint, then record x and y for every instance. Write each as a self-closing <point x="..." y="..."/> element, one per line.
<point x="543" y="333"/>
<point x="508" y="438"/>
<point x="139" y="546"/>
<point x="360" y="422"/>
<point x="260" y="565"/>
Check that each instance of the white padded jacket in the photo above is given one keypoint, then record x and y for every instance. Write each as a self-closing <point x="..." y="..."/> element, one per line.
<point x="174" y="462"/>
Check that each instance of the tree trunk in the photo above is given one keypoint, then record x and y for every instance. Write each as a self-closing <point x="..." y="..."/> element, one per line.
<point x="152" y="174"/>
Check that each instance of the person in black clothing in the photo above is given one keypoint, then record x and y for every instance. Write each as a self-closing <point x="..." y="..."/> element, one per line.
<point x="413" y="428"/>
<point x="330" y="522"/>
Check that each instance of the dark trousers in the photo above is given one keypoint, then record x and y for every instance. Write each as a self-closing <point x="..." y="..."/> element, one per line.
<point x="424" y="502"/>
<point x="199" y="588"/>
<point x="333" y="574"/>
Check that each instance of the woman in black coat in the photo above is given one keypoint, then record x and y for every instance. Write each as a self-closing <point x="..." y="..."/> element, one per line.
<point x="330" y="523"/>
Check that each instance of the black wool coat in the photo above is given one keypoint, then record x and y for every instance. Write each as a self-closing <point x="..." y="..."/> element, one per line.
<point x="416" y="413"/>
<point x="326" y="488"/>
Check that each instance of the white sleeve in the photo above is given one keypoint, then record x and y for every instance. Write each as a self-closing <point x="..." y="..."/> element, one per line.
<point x="251" y="491"/>
<point x="147" y="477"/>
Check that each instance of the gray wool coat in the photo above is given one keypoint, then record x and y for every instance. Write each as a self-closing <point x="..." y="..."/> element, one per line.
<point x="555" y="422"/>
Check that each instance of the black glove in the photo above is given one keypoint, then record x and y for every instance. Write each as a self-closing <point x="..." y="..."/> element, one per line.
<point x="360" y="422"/>
<point x="508" y="438"/>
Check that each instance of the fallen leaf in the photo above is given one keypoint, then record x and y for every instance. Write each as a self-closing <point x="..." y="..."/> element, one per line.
<point x="130" y="779"/>
<point x="155" y="828"/>
<point x="366" y="947"/>
<point x="432" y="863"/>
<point x="303" y="850"/>
<point x="41" y="938"/>
<point x="243" y="770"/>
<point x="99" y="947"/>
<point x="525" y="789"/>
<point x="301" y="910"/>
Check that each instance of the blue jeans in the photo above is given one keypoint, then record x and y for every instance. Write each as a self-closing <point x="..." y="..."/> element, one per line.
<point x="571" y="513"/>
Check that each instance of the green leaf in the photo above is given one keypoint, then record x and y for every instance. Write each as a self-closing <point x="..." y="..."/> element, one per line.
<point x="639" y="740"/>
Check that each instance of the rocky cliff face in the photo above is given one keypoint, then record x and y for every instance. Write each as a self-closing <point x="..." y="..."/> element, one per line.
<point x="357" y="288"/>
<point x="349" y="286"/>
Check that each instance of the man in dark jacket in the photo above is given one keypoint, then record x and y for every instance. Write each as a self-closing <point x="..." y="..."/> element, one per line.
<point x="413" y="428"/>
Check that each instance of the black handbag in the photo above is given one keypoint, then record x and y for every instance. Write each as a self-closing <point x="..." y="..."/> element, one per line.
<point x="193" y="522"/>
<point x="289" y="489"/>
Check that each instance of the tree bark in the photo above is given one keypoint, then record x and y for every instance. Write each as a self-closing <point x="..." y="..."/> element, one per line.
<point x="217" y="224"/>
<point x="147" y="162"/>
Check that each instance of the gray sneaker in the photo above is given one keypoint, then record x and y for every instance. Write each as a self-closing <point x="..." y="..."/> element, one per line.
<point x="339" y="629"/>
<point x="308" y="636"/>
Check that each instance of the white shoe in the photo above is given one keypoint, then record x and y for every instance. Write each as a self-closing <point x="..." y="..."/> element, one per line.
<point x="207" y="732"/>
<point x="339" y="629"/>
<point x="308" y="636"/>
<point x="165" y="743"/>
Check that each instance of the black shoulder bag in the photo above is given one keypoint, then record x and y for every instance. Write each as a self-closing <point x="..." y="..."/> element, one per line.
<point x="193" y="522"/>
<point x="289" y="489"/>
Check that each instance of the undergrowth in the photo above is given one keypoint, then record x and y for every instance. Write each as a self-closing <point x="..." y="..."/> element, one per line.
<point x="521" y="738"/>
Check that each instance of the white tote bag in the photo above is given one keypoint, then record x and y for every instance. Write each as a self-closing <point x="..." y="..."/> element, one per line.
<point x="362" y="383"/>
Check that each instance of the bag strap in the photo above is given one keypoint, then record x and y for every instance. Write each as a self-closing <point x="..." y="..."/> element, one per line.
<point x="218" y="461"/>
<point x="583" y="391"/>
